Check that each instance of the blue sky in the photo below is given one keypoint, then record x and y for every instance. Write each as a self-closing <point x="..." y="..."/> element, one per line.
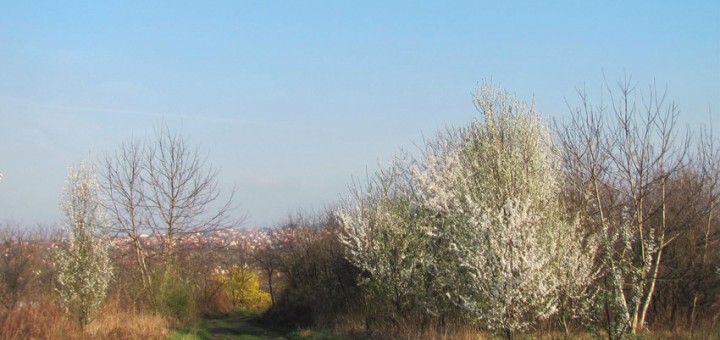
<point x="291" y="100"/>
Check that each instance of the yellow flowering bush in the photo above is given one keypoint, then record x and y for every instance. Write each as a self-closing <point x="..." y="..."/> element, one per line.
<point x="242" y="287"/>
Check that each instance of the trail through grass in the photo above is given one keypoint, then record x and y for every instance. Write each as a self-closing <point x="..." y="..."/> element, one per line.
<point x="232" y="326"/>
<point x="238" y="326"/>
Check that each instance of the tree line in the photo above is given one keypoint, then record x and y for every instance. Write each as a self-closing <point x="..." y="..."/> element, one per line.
<point x="605" y="222"/>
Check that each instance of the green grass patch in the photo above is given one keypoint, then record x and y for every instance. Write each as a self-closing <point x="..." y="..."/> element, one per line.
<point x="239" y="325"/>
<point x="308" y="334"/>
<point x="189" y="333"/>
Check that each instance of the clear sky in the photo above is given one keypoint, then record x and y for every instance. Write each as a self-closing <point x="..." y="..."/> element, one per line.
<point x="293" y="99"/>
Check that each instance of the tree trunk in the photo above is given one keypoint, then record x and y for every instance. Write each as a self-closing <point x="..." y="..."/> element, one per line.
<point x="140" y="255"/>
<point x="651" y="290"/>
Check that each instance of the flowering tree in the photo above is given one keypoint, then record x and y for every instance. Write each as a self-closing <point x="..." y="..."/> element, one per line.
<point x="84" y="266"/>
<point x="476" y="221"/>
<point x="494" y="189"/>
<point x="384" y="236"/>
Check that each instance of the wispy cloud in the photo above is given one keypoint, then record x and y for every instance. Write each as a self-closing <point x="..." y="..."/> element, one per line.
<point x="49" y="107"/>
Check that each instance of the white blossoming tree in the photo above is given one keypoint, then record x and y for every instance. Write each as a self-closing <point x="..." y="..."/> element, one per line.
<point x="495" y="189"/>
<point x="476" y="224"/>
<point x="84" y="264"/>
<point x="383" y="236"/>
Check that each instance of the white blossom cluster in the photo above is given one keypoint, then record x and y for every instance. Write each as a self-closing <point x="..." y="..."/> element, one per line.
<point x="84" y="263"/>
<point x="385" y="234"/>
<point x="475" y="225"/>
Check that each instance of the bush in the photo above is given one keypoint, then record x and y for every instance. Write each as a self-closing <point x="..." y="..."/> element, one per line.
<point x="320" y="285"/>
<point x="174" y="297"/>
<point x="242" y="286"/>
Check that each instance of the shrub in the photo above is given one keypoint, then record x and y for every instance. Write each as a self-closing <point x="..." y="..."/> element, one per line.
<point x="174" y="297"/>
<point x="320" y="284"/>
<point x="85" y="268"/>
<point x="242" y="285"/>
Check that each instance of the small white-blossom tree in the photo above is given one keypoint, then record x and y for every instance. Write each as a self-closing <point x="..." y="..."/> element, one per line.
<point x="384" y="236"/>
<point x="84" y="264"/>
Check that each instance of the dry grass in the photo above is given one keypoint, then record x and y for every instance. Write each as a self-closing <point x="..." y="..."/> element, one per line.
<point x="447" y="333"/>
<point x="117" y="322"/>
<point x="37" y="320"/>
<point x="46" y="320"/>
<point x="355" y="327"/>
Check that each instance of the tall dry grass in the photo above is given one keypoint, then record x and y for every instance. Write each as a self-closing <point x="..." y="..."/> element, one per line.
<point x="448" y="332"/>
<point x="37" y="320"/>
<point x="357" y="327"/>
<point x="45" y="319"/>
<point x="118" y="321"/>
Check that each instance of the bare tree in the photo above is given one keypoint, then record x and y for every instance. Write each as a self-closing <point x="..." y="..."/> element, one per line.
<point x="181" y="192"/>
<point x="124" y="188"/>
<point x="618" y="161"/>
<point x="163" y="187"/>
<point x="268" y="260"/>
<point x="709" y="164"/>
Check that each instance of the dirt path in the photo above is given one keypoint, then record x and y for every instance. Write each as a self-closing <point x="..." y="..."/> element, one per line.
<point x="238" y="327"/>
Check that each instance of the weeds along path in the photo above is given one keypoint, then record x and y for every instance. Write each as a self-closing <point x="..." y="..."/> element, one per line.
<point x="237" y="326"/>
